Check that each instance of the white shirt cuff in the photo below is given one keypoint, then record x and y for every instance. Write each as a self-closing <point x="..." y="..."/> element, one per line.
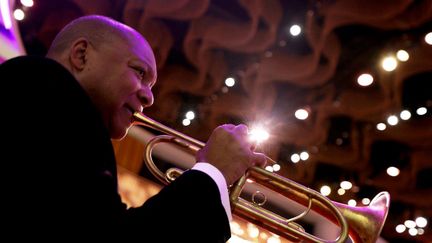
<point x="217" y="176"/>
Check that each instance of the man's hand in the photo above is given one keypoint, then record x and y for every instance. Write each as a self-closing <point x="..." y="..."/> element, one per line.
<point x="230" y="150"/>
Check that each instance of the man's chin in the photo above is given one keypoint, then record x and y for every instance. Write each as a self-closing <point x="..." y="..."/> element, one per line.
<point x="119" y="133"/>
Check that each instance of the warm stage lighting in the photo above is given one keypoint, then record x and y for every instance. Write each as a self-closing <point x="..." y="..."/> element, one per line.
<point x="295" y="30"/>
<point x="295" y="158"/>
<point x="413" y="231"/>
<point x="186" y="122"/>
<point x="402" y="55"/>
<point x="389" y="64"/>
<point x="19" y="14"/>
<point x="301" y="114"/>
<point x="365" y="79"/>
<point x="421" y="111"/>
<point x="410" y="224"/>
<point x="229" y="82"/>
<point x="405" y="115"/>
<point x="325" y="190"/>
<point x="421" y="222"/>
<point x="381" y="126"/>
<point x="304" y="155"/>
<point x="27" y="3"/>
<point x="258" y="134"/>
<point x="392" y="120"/>
<point x="346" y="185"/>
<point x="428" y="38"/>
<point x="341" y="191"/>
<point x="190" y="115"/>
<point x="393" y="171"/>
<point x="400" y="228"/>
<point x="365" y="201"/>
<point x="5" y="14"/>
<point x="352" y="202"/>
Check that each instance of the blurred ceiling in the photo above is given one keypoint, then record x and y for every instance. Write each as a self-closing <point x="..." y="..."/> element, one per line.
<point x="200" y="43"/>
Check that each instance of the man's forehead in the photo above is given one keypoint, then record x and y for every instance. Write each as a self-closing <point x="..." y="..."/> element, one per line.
<point x="142" y="51"/>
<point x="139" y="49"/>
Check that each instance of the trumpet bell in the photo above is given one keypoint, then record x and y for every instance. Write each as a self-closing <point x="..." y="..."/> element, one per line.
<point x="366" y="223"/>
<point x="361" y="224"/>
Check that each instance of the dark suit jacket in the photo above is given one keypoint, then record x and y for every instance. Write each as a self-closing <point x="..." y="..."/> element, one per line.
<point x="59" y="170"/>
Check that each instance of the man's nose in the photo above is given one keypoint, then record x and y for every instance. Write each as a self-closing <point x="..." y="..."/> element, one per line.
<point x="145" y="96"/>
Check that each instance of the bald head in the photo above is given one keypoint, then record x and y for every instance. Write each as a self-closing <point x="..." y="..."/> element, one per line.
<point x="96" y="29"/>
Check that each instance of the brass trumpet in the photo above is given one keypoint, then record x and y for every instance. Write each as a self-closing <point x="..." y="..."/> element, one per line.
<point x="361" y="224"/>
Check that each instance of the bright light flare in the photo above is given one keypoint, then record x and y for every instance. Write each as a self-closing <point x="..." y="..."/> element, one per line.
<point x="400" y="228"/>
<point x="253" y="231"/>
<point x="27" y="3"/>
<point x="295" y="158"/>
<point x="304" y="155"/>
<point x="301" y="114"/>
<point x="421" y="222"/>
<point x="269" y="168"/>
<point x="428" y="38"/>
<point x="230" y="82"/>
<point x="19" y="14"/>
<point x="402" y="55"/>
<point x="393" y="171"/>
<point x="352" y="202"/>
<point x="325" y="190"/>
<point x="5" y="14"/>
<point x="186" y="122"/>
<point x="295" y="30"/>
<point x="421" y="111"/>
<point x="405" y="115"/>
<point x="381" y="126"/>
<point x="365" y="201"/>
<point x="365" y="79"/>
<point x="392" y="120"/>
<point x="389" y="64"/>
<point x="273" y="239"/>
<point x="413" y="231"/>
<point x="346" y="185"/>
<point x="341" y="191"/>
<point x="258" y="134"/>
<point x="190" y="115"/>
<point x="410" y="224"/>
<point x="420" y="231"/>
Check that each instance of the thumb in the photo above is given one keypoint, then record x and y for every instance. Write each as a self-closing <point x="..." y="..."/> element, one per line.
<point x="253" y="145"/>
<point x="259" y="159"/>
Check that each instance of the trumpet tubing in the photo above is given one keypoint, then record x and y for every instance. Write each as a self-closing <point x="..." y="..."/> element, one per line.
<point x="361" y="224"/>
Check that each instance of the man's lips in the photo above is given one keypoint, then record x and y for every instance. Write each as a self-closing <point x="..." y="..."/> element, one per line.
<point x="132" y="111"/>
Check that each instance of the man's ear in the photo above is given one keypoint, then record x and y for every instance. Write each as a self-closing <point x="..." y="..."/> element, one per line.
<point x="79" y="53"/>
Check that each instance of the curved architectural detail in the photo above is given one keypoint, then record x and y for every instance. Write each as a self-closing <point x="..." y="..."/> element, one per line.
<point x="198" y="44"/>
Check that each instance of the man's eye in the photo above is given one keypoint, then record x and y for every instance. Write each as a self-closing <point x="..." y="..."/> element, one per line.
<point x="140" y="72"/>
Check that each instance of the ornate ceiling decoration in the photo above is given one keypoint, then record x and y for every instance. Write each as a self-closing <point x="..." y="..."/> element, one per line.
<point x="198" y="44"/>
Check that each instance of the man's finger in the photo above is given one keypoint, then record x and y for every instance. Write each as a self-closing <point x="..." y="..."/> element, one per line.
<point x="259" y="160"/>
